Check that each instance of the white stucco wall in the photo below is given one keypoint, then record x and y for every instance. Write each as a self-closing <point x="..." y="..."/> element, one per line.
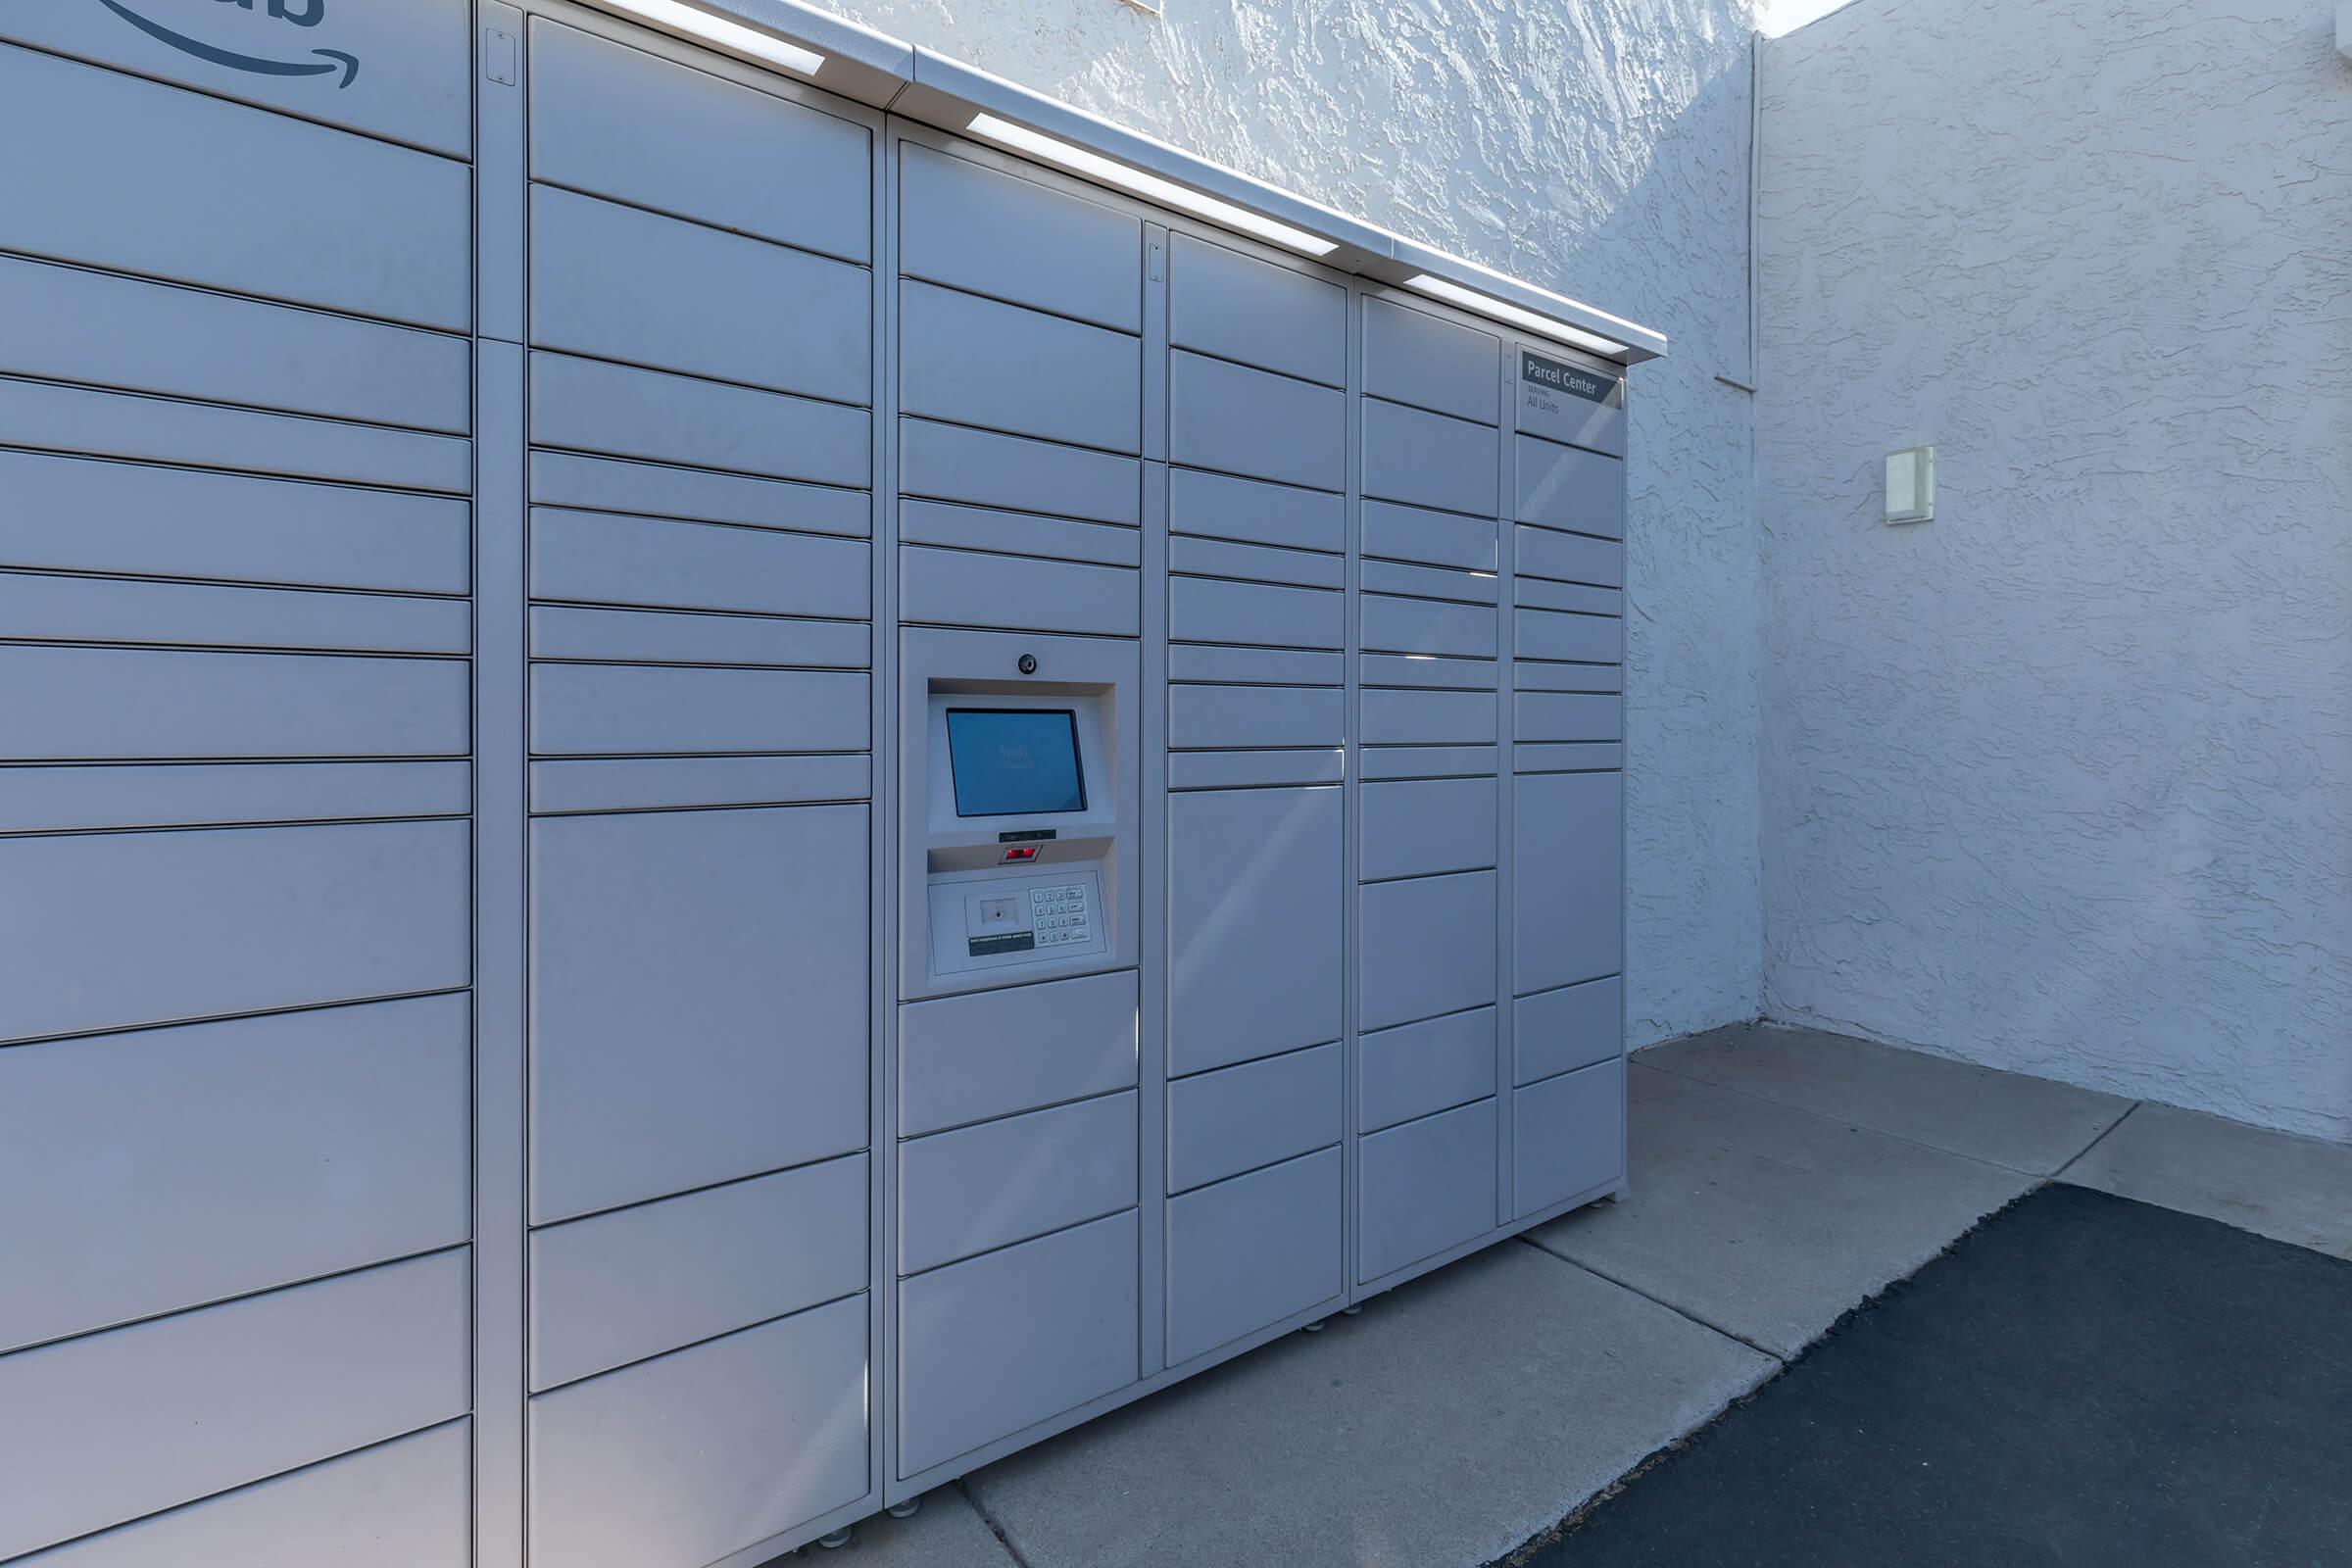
<point x="1600" y="148"/>
<point x="2062" y="781"/>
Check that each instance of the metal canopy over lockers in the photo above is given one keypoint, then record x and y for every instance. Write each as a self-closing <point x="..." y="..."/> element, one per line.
<point x="715" y="804"/>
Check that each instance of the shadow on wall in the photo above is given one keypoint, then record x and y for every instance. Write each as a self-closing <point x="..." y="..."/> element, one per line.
<point x="2062" y="781"/>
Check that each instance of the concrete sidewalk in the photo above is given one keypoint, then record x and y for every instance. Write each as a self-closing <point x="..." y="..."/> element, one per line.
<point x="1780" y="1177"/>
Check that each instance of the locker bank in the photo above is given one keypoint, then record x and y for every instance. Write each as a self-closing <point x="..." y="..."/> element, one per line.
<point x="740" y="768"/>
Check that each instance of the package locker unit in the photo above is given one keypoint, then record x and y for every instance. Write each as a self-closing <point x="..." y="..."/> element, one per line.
<point x="715" y="803"/>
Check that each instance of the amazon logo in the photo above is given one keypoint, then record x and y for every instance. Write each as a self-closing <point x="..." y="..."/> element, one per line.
<point x="297" y="12"/>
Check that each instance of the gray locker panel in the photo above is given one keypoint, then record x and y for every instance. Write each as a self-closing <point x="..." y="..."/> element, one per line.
<point x="607" y="484"/>
<point x="1255" y="666"/>
<point x="1428" y="718"/>
<point x="1539" y="675"/>
<point x="414" y="88"/>
<point x="196" y="191"/>
<point x="1568" y="716"/>
<point x="82" y="515"/>
<point x="1015" y="239"/>
<point x="1429" y="460"/>
<point x="1255" y="423"/>
<point x="621" y="1286"/>
<point x="404" y="1504"/>
<point x="1569" y="757"/>
<point x="1414" y="582"/>
<point x="1567" y="487"/>
<point x="992" y="1052"/>
<point x="1554" y="634"/>
<point x="1431" y="538"/>
<point x="698" y="1000"/>
<point x="974" y="360"/>
<point x="617" y="121"/>
<point x="1427" y="825"/>
<point x="977" y="1189"/>
<point x="1535" y="593"/>
<point x="625" y="709"/>
<point x="643" y="783"/>
<point x="1216" y="770"/>
<point x="1255" y="897"/>
<point x="56" y="799"/>
<point x="654" y="636"/>
<point x="120" y="424"/>
<point x="1427" y="626"/>
<point x="178" y="1167"/>
<point x="611" y="558"/>
<point x="1221" y="558"/>
<point x="631" y="413"/>
<point x="620" y="283"/>
<point x="1253" y="1250"/>
<point x="1428" y="946"/>
<point x="295" y="361"/>
<point x="1426" y="761"/>
<point x="1420" y="1068"/>
<point x="127" y="703"/>
<point x="693" y="1457"/>
<point x="1243" y="718"/>
<point x="129" y="928"/>
<point x="1424" y="1187"/>
<point x="1212" y="609"/>
<point x="1237" y="306"/>
<point x="1002" y="1341"/>
<point x="1567" y="557"/>
<point x="1560" y="1031"/>
<point x="113" y="1426"/>
<point x="1014" y="533"/>
<point x="59" y="608"/>
<point x="1220" y="506"/>
<point x="1413" y="356"/>
<point x="1235" y="1119"/>
<point x="965" y="588"/>
<point x="1567" y="1136"/>
<point x="1569" y="919"/>
<point x="949" y="463"/>
<point x="1429" y="670"/>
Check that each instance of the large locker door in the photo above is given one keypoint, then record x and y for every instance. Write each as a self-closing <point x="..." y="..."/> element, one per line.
<point x="1430" y="848"/>
<point x="1567" y="951"/>
<point x="1256" y="626"/>
<point x="235" y="847"/>
<point x="699" y="315"/>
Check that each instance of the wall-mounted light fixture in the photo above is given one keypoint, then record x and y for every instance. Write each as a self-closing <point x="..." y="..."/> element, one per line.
<point x="1109" y="172"/>
<point x="1470" y="299"/>
<point x="725" y="32"/>
<point x="1911" y="485"/>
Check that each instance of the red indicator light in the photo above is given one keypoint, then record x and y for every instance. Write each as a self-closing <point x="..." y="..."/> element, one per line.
<point x="1021" y="851"/>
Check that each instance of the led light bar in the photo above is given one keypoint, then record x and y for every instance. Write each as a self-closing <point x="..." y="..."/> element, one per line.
<point x="727" y="34"/>
<point x="1167" y="192"/>
<point x="1488" y="305"/>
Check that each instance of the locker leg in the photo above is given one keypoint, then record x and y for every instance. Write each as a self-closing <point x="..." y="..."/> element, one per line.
<point x="837" y="1540"/>
<point x="906" y="1510"/>
<point x="1316" y="1327"/>
<point x="1350" y="1311"/>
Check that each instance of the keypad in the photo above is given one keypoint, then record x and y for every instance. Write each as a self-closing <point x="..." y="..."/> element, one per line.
<point x="1059" y="916"/>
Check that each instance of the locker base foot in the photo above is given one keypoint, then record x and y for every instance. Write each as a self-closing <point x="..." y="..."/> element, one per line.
<point x="906" y="1510"/>
<point x="1350" y="1311"/>
<point x="836" y="1540"/>
<point x="1316" y="1327"/>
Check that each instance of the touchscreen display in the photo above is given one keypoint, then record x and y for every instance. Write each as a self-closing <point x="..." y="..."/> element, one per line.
<point x="1014" y="761"/>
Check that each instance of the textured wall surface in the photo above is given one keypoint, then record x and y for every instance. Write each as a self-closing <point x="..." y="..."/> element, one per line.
<point x="1600" y="148"/>
<point x="2062" y="781"/>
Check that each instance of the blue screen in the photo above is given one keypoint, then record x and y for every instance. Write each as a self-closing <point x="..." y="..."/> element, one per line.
<point x="1014" y="761"/>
